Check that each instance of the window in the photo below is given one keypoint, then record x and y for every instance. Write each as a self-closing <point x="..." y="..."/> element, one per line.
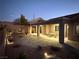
<point x="56" y="28"/>
<point x="77" y="29"/>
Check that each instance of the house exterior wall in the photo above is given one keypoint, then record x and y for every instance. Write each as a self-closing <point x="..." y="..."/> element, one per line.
<point x="47" y="29"/>
<point x="72" y="32"/>
<point x="50" y="29"/>
<point x="43" y="29"/>
<point x="54" y="29"/>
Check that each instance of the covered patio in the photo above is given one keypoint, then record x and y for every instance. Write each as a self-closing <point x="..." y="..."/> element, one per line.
<point x="60" y="28"/>
<point x="53" y="28"/>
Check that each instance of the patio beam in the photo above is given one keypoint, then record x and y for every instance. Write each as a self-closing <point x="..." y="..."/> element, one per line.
<point x="61" y="31"/>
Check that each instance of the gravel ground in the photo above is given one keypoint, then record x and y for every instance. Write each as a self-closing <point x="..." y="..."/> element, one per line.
<point x="29" y="45"/>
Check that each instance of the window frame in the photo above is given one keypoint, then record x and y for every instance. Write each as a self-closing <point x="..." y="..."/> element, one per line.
<point x="56" y="28"/>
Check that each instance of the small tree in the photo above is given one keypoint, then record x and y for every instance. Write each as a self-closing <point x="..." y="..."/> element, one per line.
<point x="22" y="20"/>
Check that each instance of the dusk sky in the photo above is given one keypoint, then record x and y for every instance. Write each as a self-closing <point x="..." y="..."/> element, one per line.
<point x="12" y="9"/>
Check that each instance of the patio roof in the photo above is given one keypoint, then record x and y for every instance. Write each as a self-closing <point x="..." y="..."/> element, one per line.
<point x="37" y="21"/>
<point x="66" y="19"/>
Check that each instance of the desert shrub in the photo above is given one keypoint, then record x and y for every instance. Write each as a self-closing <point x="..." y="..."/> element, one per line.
<point x="22" y="56"/>
<point x="54" y="48"/>
<point x="39" y="48"/>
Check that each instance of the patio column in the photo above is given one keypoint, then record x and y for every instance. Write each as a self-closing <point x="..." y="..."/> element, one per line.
<point x="61" y="32"/>
<point x="38" y="30"/>
<point x="47" y="29"/>
<point x="30" y="29"/>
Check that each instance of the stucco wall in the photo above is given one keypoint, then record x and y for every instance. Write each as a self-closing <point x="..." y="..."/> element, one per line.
<point x="15" y="27"/>
<point x="50" y="29"/>
<point x="72" y="33"/>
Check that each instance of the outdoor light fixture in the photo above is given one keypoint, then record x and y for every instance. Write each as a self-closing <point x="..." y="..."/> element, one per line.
<point x="47" y="56"/>
<point x="9" y="42"/>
